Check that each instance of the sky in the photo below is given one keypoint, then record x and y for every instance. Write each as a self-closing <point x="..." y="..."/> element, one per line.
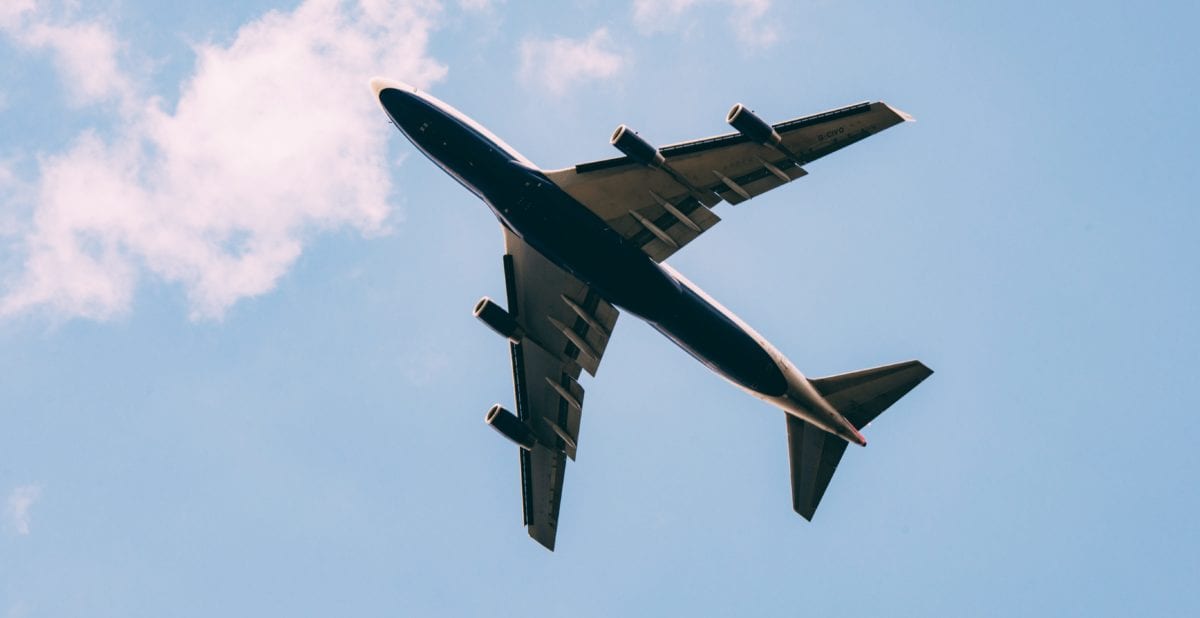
<point x="239" y="374"/>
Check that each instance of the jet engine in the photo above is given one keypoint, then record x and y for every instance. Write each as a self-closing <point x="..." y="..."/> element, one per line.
<point x="498" y="319"/>
<point x="510" y="427"/>
<point x="636" y="148"/>
<point x="753" y="127"/>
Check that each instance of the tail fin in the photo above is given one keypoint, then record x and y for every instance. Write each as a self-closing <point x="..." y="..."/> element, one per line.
<point x="860" y="396"/>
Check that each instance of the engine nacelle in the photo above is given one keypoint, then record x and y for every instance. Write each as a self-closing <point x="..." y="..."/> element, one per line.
<point x="753" y="127"/>
<point x="498" y="319"/>
<point x="635" y="147"/>
<point x="510" y="427"/>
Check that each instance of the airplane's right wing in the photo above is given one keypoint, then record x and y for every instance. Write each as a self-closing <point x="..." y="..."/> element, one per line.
<point x="566" y="329"/>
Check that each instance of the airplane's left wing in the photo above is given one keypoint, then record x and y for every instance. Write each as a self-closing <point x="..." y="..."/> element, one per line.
<point x="661" y="199"/>
<point x="565" y="328"/>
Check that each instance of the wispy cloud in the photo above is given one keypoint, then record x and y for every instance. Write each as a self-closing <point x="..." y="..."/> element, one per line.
<point x="20" y="501"/>
<point x="86" y="53"/>
<point x="12" y="11"/>
<point x="659" y="15"/>
<point x="747" y="18"/>
<point x="274" y="138"/>
<point x="749" y="23"/>
<point x="476" y="5"/>
<point x="560" y="63"/>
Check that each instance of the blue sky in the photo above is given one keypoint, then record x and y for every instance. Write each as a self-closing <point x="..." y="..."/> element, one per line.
<point x="240" y="376"/>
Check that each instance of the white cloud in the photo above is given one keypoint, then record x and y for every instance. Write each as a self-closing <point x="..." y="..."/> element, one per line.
<point x="749" y="23"/>
<point x="85" y="53"/>
<point x="86" y="56"/>
<point x="10" y="221"/>
<point x="659" y="15"/>
<point x="275" y="136"/>
<point x="560" y="63"/>
<point x="11" y="12"/>
<point x="476" y="5"/>
<point x="20" y="500"/>
<point x="746" y="18"/>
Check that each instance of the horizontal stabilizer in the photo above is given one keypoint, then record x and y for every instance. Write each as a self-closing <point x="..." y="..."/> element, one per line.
<point x="860" y="396"/>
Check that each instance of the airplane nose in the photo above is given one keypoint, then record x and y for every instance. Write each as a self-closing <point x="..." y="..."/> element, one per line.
<point x="379" y="84"/>
<point x="407" y="109"/>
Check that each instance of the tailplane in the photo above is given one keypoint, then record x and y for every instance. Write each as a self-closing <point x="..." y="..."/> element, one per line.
<point x="860" y="397"/>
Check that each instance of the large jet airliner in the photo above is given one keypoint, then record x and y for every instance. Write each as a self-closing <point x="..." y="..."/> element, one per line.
<point x="582" y="241"/>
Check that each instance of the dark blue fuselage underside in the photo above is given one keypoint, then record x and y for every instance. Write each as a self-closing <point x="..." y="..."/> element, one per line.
<point x="574" y="238"/>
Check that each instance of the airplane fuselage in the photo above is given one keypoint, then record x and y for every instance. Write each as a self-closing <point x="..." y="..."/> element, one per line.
<point x="581" y="243"/>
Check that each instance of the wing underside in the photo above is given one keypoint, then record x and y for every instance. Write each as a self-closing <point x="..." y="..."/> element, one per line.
<point x="567" y="327"/>
<point x="663" y="209"/>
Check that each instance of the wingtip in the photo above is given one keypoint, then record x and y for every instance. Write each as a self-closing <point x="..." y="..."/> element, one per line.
<point x="904" y="116"/>
<point x="540" y="535"/>
<point x="923" y="368"/>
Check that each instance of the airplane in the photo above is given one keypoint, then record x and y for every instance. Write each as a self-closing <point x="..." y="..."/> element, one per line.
<point x="586" y="242"/>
